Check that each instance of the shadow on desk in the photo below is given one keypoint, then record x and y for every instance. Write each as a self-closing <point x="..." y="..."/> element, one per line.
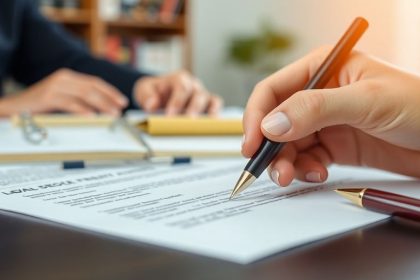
<point x="34" y="249"/>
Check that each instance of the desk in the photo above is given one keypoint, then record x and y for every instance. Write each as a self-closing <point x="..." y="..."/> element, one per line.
<point x="34" y="249"/>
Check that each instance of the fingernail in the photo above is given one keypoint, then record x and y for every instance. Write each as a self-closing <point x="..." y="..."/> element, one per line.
<point x="277" y="124"/>
<point x="275" y="176"/>
<point x="313" y="177"/>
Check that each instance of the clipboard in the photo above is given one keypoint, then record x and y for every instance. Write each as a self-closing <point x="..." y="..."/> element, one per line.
<point x="73" y="138"/>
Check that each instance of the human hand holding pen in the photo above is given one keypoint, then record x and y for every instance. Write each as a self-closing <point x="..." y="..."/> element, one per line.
<point x="368" y="115"/>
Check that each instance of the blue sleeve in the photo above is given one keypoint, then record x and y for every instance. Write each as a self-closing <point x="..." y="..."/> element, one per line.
<point x="45" y="47"/>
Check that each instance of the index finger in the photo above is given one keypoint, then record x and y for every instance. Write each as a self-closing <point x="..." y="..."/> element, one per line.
<point x="112" y="93"/>
<point x="103" y="87"/>
<point x="272" y="91"/>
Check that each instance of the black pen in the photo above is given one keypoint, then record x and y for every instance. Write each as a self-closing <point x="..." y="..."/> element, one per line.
<point x="269" y="149"/>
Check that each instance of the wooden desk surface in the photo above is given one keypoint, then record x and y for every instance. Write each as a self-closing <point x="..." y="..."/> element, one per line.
<point x="33" y="249"/>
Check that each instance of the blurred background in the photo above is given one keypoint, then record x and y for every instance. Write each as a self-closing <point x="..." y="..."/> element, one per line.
<point x="232" y="44"/>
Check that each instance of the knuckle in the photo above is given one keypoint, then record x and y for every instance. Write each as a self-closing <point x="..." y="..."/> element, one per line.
<point x="143" y="82"/>
<point x="48" y="95"/>
<point x="183" y="74"/>
<point x="62" y="73"/>
<point x="185" y="79"/>
<point x="201" y="94"/>
<point x="260" y="86"/>
<point x="312" y="103"/>
<point x="95" y="80"/>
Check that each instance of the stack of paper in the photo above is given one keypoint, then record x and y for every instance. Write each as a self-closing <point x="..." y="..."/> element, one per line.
<point x="188" y="207"/>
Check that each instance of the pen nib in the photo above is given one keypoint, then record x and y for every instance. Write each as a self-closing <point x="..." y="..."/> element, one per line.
<point x="354" y="195"/>
<point x="244" y="181"/>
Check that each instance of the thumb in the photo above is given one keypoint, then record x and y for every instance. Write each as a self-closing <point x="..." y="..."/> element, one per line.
<point x="309" y="111"/>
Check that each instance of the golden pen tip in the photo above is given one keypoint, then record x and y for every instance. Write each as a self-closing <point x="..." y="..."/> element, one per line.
<point x="244" y="181"/>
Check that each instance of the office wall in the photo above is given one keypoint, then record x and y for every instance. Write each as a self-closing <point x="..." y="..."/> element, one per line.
<point x="312" y="23"/>
<point x="408" y="35"/>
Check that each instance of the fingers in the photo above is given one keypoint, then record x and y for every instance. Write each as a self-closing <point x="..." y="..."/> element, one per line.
<point x="183" y="87"/>
<point x="70" y="104"/>
<point x="199" y="100"/>
<point x="70" y="91"/>
<point x="97" y="94"/>
<point x="273" y="91"/>
<point x="281" y="170"/>
<point x="202" y="101"/>
<point x="309" y="165"/>
<point x="150" y="93"/>
<point x="309" y="111"/>
<point x="253" y="137"/>
<point x="310" y="169"/>
<point x="215" y="105"/>
<point x="113" y="94"/>
<point x="98" y="101"/>
<point x="177" y="93"/>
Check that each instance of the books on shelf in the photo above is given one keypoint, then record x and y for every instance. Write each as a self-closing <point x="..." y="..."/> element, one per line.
<point x="166" y="11"/>
<point x="109" y="9"/>
<point x="158" y="56"/>
<point x="62" y="5"/>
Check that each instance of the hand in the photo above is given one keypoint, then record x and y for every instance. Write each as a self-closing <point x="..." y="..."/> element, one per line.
<point x="67" y="91"/>
<point x="176" y="93"/>
<point x="368" y="115"/>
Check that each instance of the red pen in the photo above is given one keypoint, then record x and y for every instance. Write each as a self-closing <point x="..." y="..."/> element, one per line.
<point x="384" y="202"/>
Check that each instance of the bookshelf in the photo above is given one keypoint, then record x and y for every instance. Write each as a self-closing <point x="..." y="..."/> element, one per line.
<point x="87" y="22"/>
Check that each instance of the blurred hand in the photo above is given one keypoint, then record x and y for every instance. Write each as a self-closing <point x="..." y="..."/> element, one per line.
<point x="368" y="115"/>
<point x="66" y="91"/>
<point x="176" y="93"/>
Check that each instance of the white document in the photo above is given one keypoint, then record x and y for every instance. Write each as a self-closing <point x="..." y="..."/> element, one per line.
<point x="69" y="139"/>
<point x="187" y="207"/>
<point x="11" y="174"/>
<point x="195" y="145"/>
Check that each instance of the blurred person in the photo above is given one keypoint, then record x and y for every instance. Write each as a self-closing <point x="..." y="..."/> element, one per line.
<point x="61" y="75"/>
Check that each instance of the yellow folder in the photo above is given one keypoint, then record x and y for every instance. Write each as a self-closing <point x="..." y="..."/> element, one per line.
<point x="161" y="125"/>
<point x="153" y="125"/>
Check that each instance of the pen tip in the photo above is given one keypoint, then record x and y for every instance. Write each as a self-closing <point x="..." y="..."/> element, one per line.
<point x="244" y="181"/>
<point x="354" y="195"/>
